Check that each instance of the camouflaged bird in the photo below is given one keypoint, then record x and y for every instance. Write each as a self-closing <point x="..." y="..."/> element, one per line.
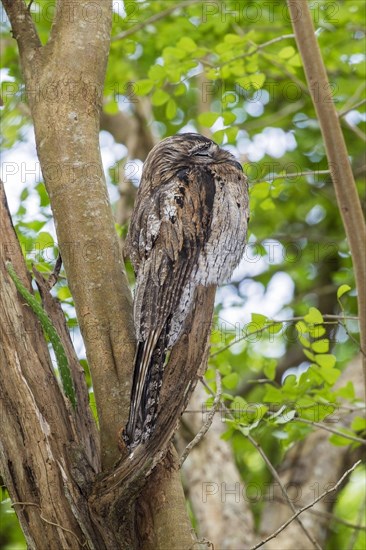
<point x="188" y="228"/>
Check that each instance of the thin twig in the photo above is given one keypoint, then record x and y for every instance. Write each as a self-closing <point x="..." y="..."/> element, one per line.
<point x="272" y="470"/>
<point x="295" y="516"/>
<point x="336" y="318"/>
<point x="206" y="426"/>
<point x="284" y="492"/>
<point x="328" y="429"/>
<point x="47" y="520"/>
<point x="252" y="52"/>
<point x="355" y="129"/>
<point x="324" y="514"/>
<point x="153" y="19"/>
<point x="282" y="67"/>
<point x="292" y="175"/>
<point x="352" y="108"/>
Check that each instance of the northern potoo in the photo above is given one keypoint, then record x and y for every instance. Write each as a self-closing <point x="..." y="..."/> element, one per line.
<point x="188" y="228"/>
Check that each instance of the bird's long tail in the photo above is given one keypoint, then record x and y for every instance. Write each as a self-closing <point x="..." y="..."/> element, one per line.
<point x="147" y="380"/>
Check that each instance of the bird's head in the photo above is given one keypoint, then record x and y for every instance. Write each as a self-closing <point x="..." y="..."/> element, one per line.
<point x="184" y="151"/>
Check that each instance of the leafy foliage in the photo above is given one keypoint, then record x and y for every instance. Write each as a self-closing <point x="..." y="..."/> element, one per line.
<point x="232" y="71"/>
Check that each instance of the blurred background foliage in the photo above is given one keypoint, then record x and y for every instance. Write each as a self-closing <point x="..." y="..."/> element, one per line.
<point x="285" y="326"/>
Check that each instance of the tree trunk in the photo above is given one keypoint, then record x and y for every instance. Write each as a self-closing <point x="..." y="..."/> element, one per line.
<point x="68" y="495"/>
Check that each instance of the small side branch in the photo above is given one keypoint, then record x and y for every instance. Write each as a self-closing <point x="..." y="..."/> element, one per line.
<point x="206" y="426"/>
<point x="273" y="472"/>
<point x="24" y="30"/>
<point x="294" y="516"/>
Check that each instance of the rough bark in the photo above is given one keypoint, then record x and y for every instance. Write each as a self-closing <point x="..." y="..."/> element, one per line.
<point x="64" y="83"/>
<point x="42" y="444"/>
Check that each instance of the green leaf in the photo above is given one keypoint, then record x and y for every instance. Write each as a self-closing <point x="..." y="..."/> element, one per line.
<point x="44" y="240"/>
<point x="321" y="346"/>
<point x="187" y="44"/>
<point x="285" y="417"/>
<point x="261" y="190"/>
<point x="308" y="354"/>
<point x="229" y="97"/>
<point x="301" y="328"/>
<point x="275" y="328"/>
<point x="273" y="395"/>
<point x="229" y="117"/>
<point x="224" y="369"/>
<point x="208" y="119"/>
<point x="252" y="81"/>
<point x="268" y="204"/>
<point x="24" y="194"/>
<point x="347" y="391"/>
<point x="111" y="108"/>
<point x="171" y="109"/>
<point x="43" y="195"/>
<point x="270" y="370"/>
<point x="304" y="341"/>
<point x="259" y="320"/>
<point x="358" y="424"/>
<point x="340" y="441"/>
<point x="286" y="52"/>
<point x="157" y="73"/>
<point x="144" y="86"/>
<point x="218" y="136"/>
<point x="342" y="290"/>
<point x="326" y="360"/>
<point x="328" y="374"/>
<point x="35" y="225"/>
<point x="64" y="293"/>
<point x="180" y="89"/>
<point x="230" y="381"/>
<point x="314" y="316"/>
<point x="159" y="97"/>
<point x="316" y="331"/>
<point x="231" y="133"/>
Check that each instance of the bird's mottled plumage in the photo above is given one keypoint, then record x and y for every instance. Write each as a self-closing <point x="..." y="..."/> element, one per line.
<point x="188" y="228"/>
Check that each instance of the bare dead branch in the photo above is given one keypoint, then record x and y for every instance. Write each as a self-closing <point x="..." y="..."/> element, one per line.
<point x="273" y="472"/>
<point x="283" y="489"/>
<point x="296" y="514"/>
<point x="206" y="426"/>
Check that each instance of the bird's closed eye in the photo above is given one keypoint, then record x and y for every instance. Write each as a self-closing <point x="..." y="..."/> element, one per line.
<point x="202" y="153"/>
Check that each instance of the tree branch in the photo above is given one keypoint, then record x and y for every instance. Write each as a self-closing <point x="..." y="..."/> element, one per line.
<point x="296" y="514"/>
<point x="339" y="164"/>
<point x="24" y="30"/>
<point x="273" y="472"/>
<point x="331" y="430"/>
<point x="153" y="19"/>
<point x="206" y="426"/>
